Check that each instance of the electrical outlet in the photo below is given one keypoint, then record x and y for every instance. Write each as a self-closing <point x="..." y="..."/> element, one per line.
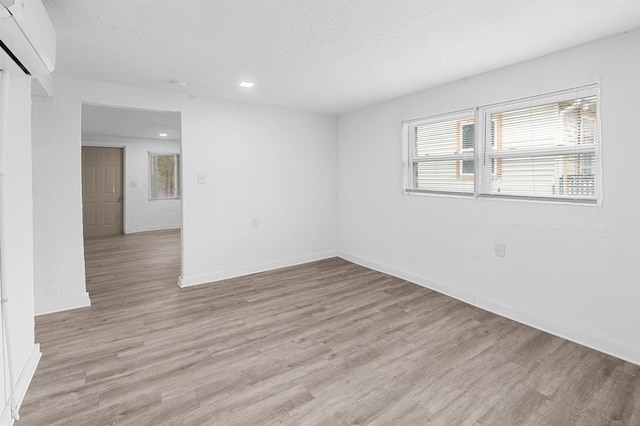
<point x="500" y="250"/>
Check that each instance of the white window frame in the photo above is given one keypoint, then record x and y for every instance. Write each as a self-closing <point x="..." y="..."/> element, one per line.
<point x="486" y="159"/>
<point x="494" y="165"/>
<point x="596" y="124"/>
<point x="464" y="150"/>
<point x="484" y="187"/>
<point x="411" y="158"/>
<point x="176" y="177"/>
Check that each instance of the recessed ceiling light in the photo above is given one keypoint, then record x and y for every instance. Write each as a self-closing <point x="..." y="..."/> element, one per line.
<point x="246" y="84"/>
<point x="164" y="135"/>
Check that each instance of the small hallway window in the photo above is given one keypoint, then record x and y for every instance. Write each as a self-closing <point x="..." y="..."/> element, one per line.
<point x="164" y="176"/>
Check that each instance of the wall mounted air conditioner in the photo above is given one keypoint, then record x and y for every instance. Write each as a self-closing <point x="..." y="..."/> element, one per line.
<point x="27" y="37"/>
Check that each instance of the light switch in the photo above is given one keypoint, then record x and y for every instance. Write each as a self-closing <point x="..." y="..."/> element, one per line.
<point x="133" y="184"/>
<point x="201" y="179"/>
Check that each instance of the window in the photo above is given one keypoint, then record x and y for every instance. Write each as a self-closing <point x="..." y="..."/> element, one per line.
<point x="467" y="137"/>
<point x="164" y="176"/>
<point x="441" y="151"/>
<point x="542" y="148"/>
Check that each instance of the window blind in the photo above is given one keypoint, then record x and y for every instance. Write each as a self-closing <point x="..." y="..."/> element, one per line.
<point x="548" y="150"/>
<point x="540" y="148"/>
<point x="442" y="154"/>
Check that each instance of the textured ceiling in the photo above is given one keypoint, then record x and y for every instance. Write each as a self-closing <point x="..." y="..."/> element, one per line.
<point x="100" y="120"/>
<point x="317" y="55"/>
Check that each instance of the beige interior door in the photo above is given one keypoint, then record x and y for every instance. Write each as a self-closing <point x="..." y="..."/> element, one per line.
<point x="101" y="191"/>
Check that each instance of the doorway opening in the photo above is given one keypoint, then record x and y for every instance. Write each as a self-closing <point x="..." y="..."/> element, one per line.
<point x="131" y="171"/>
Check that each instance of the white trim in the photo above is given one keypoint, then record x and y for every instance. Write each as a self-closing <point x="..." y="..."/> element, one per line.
<point x="154" y="228"/>
<point x="62" y="304"/>
<point x="252" y="269"/>
<point x="616" y="349"/>
<point x="407" y="168"/>
<point x="592" y="89"/>
<point x="543" y="152"/>
<point x="467" y="151"/>
<point x="22" y="384"/>
<point x="459" y="156"/>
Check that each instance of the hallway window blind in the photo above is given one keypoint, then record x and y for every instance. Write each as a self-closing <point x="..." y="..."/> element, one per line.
<point x="164" y="176"/>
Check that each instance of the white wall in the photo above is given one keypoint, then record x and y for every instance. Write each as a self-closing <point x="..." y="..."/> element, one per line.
<point x="17" y="234"/>
<point x="273" y="164"/>
<point x="276" y="165"/>
<point x="140" y="213"/>
<point x="57" y="210"/>
<point x="571" y="270"/>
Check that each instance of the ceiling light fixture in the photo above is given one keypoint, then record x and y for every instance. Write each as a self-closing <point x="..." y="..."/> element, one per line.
<point x="164" y="135"/>
<point x="246" y="84"/>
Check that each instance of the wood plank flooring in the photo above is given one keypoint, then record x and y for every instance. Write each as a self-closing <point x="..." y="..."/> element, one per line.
<point x="325" y="343"/>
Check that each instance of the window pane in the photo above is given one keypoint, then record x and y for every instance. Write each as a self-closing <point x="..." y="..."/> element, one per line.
<point x="467" y="136"/>
<point x="446" y="138"/>
<point x="534" y="127"/>
<point x="547" y="176"/>
<point x="164" y="176"/>
<point x="543" y="126"/>
<point x="442" y="176"/>
<point x="568" y="126"/>
<point x="467" y="167"/>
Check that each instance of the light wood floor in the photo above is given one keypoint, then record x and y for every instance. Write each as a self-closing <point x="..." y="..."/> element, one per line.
<point x="326" y="343"/>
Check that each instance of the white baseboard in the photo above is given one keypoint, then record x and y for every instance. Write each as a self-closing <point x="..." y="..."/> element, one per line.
<point x="611" y="348"/>
<point x="22" y="384"/>
<point x="62" y="304"/>
<point x="251" y="269"/>
<point x="152" y="228"/>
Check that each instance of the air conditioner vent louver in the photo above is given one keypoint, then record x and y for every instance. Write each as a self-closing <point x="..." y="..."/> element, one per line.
<point x="27" y="36"/>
